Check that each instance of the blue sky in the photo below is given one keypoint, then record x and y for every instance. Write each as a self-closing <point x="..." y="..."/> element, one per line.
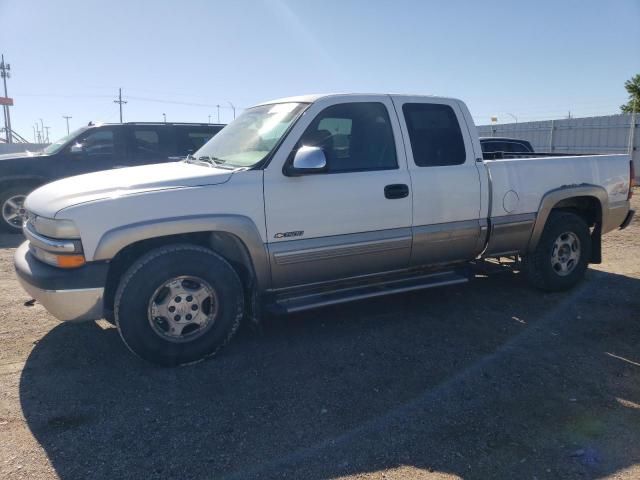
<point x="536" y="59"/>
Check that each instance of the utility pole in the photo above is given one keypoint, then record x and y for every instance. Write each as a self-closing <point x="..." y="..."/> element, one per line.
<point x="209" y="119"/>
<point x="47" y="137"/>
<point x="164" y="115"/>
<point x="233" y="108"/>
<point x="5" y="72"/>
<point x="42" y="129"/>
<point x="35" y="138"/>
<point x="218" y="107"/>
<point x="120" y="102"/>
<point x="67" y="117"/>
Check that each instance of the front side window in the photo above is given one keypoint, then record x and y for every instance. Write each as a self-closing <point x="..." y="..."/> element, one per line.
<point x="435" y="135"/>
<point x="190" y="139"/>
<point x="354" y="137"/>
<point x="250" y="138"/>
<point x="58" y="145"/>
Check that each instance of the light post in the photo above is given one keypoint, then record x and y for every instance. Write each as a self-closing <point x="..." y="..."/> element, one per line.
<point x="512" y="116"/>
<point x="164" y="115"/>
<point x="234" y="109"/>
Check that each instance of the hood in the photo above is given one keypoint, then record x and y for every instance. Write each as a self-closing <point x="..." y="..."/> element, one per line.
<point x="15" y="156"/>
<point x="53" y="197"/>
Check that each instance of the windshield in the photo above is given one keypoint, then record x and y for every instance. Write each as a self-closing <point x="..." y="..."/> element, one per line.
<point x="251" y="137"/>
<point x="58" y="145"/>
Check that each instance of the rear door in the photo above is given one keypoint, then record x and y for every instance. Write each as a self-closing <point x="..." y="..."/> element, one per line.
<point x="149" y="143"/>
<point x="444" y="180"/>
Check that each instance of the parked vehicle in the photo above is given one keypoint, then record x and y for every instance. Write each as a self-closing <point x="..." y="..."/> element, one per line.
<point x="304" y="202"/>
<point x="492" y="147"/>
<point x="90" y="149"/>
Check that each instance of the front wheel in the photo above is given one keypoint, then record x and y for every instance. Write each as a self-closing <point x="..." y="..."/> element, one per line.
<point x="561" y="257"/>
<point x="13" y="211"/>
<point x="178" y="304"/>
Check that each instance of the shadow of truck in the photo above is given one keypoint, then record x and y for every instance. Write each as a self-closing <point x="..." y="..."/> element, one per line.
<point x="492" y="380"/>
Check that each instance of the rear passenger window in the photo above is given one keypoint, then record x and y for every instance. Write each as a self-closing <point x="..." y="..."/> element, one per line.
<point x="354" y="137"/>
<point x="435" y="135"/>
<point x="190" y="139"/>
<point x="146" y="143"/>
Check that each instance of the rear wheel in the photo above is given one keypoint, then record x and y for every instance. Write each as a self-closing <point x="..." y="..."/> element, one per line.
<point x="562" y="254"/>
<point x="178" y="304"/>
<point x="12" y="207"/>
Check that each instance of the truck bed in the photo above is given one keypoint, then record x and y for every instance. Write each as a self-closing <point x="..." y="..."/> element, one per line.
<point x="518" y="184"/>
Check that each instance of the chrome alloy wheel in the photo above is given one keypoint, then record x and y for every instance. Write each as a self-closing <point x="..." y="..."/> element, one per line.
<point x="565" y="253"/>
<point x="13" y="211"/>
<point x="182" y="309"/>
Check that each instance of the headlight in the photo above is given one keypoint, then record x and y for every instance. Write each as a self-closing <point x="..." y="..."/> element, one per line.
<point x="54" y="228"/>
<point x="55" y="242"/>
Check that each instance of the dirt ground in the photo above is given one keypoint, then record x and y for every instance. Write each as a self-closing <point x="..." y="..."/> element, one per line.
<point x="486" y="380"/>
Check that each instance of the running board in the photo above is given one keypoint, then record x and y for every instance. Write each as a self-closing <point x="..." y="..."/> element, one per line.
<point x="307" y="301"/>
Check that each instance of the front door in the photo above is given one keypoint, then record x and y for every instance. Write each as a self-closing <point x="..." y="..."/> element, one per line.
<point x="355" y="218"/>
<point x="99" y="148"/>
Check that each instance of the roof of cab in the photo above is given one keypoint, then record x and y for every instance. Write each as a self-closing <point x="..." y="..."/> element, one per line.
<point x="310" y="98"/>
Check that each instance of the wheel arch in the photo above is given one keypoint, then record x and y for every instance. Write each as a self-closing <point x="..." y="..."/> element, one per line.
<point x="590" y="202"/>
<point x="235" y="238"/>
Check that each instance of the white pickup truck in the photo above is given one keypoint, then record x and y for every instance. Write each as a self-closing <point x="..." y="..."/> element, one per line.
<point x="304" y="202"/>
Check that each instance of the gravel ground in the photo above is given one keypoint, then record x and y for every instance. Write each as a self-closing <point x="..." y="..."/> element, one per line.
<point x="486" y="380"/>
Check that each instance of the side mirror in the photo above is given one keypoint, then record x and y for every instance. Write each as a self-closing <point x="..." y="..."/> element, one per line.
<point x="308" y="160"/>
<point x="77" y="148"/>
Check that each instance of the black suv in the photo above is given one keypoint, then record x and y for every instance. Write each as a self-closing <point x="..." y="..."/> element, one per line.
<point x="93" y="148"/>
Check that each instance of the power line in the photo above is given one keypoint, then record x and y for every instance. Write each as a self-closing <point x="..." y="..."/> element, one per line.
<point x="120" y="102"/>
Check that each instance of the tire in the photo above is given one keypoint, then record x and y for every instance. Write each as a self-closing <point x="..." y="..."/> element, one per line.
<point x="161" y="282"/>
<point x="553" y="265"/>
<point x="11" y="203"/>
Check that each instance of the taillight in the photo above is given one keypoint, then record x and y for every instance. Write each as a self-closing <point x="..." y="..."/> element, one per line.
<point x="632" y="179"/>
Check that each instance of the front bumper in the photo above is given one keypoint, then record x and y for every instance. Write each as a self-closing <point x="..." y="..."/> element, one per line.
<point x="69" y="295"/>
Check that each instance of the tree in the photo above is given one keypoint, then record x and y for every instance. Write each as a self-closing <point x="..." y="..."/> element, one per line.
<point x="633" y="88"/>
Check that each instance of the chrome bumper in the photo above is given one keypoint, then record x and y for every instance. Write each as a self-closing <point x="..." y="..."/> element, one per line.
<point x="61" y="292"/>
<point x="68" y="305"/>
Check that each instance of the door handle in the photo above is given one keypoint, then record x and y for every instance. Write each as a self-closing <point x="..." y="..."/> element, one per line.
<point x="396" y="190"/>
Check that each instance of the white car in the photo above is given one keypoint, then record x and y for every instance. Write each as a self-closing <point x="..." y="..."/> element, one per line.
<point x="303" y="202"/>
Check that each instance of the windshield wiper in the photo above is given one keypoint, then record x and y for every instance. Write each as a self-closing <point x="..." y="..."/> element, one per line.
<point x="215" y="161"/>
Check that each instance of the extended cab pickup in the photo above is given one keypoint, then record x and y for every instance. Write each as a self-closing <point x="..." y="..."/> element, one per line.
<point x="303" y="202"/>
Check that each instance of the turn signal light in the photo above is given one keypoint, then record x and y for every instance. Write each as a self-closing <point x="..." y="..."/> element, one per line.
<point x="70" y="261"/>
